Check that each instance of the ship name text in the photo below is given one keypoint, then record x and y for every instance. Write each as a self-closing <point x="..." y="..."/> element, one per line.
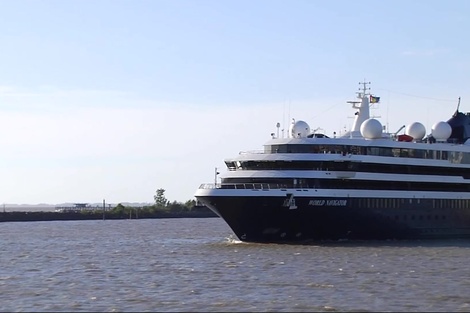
<point x="328" y="202"/>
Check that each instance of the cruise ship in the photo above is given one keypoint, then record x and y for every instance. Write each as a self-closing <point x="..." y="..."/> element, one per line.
<point x="366" y="184"/>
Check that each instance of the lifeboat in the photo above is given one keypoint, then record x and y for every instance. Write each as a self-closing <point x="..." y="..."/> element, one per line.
<point x="405" y="137"/>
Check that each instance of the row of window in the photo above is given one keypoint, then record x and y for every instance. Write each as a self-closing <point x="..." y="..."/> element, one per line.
<point x="348" y="166"/>
<point x="318" y="183"/>
<point x="452" y="156"/>
<point x="418" y="217"/>
<point x="397" y="203"/>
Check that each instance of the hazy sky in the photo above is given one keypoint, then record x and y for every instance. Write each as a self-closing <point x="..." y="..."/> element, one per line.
<point x="116" y="99"/>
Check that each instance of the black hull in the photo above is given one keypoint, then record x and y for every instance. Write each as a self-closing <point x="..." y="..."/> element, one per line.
<point x="271" y="220"/>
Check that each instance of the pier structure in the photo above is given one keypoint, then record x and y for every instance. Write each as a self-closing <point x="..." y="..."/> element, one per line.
<point x="77" y="207"/>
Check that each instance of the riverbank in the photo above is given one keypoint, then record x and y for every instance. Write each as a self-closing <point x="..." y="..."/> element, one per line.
<point x="96" y="215"/>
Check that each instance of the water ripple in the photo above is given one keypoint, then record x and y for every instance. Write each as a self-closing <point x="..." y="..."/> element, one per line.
<point x="178" y="265"/>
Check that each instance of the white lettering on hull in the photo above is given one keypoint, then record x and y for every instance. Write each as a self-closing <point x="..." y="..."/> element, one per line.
<point x="328" y="202"/>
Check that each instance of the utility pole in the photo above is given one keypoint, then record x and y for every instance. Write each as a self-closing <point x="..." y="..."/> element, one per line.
<point x="104" y="209"/>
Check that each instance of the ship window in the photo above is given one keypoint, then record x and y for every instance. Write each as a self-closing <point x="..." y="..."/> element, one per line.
<point x="372" y="151"/>
<point x="417" y="153"/>
<point x="465" y="158"/>
<point x="355" y="150"/>
<point x="278" y="148"/>
<point x="231" y="165"/>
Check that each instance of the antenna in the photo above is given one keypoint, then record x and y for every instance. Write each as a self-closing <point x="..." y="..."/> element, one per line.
<point x="458" y="105"/>
<point x="283" y="117"/>
<point x="364" y="89"/>
<point x="288" y="115"/>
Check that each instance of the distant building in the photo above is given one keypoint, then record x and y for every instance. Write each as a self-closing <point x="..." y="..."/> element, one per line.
<point x="77" y="207"/>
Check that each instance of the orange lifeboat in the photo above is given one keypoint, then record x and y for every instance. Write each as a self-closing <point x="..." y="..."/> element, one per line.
<point x="405" y="137"/>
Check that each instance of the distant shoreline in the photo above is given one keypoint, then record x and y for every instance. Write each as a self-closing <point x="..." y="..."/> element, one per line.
<point x="53" y="207"/>
<point x="35" y="216"/>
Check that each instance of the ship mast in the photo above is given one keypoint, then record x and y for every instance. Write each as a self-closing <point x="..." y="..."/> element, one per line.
<point x="364" y="92"/>
<point x="363" y="109"/>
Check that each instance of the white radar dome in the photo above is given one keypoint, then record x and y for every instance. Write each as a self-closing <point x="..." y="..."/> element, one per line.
<point x="416" y="130"/>
<point x="441" y="130"/>
<point x="300" y="129"/>
<point x="371" y="129"/>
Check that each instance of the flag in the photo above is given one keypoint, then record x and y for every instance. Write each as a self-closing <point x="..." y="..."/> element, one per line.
<point x="374" y="99"/>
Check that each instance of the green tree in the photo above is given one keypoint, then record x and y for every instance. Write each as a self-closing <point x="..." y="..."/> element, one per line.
<point x="176" y="206"/>
<point x="118" y="210"/>
<point x="190" y="204"/>
<point x="160" y="199"/>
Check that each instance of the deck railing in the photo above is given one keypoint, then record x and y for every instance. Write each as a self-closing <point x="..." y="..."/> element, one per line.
<point x="252" y="186"/>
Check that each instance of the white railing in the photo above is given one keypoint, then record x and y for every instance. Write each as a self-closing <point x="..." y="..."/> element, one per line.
<point x="252" y="152"/>
<point x="252" y="186"/>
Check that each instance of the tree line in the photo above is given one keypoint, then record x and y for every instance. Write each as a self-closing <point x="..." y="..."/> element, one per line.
<point x="161" y="207"/>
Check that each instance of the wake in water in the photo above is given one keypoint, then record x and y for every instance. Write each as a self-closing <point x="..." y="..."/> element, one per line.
<point x="233" y="240"/>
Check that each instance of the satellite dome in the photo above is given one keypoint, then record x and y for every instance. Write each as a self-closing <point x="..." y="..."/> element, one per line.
<point x="371" y="129"/>
<point x="441" y="130"/>
<point x="299" y="129"/>
<point x="416" y="130"/>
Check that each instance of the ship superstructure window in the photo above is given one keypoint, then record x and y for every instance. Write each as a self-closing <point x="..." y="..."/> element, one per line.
<point x="231" y="166"/>
<point x="454" y="157"/>
<point x="365" y="167"/>
<point x="277" y="183"/>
